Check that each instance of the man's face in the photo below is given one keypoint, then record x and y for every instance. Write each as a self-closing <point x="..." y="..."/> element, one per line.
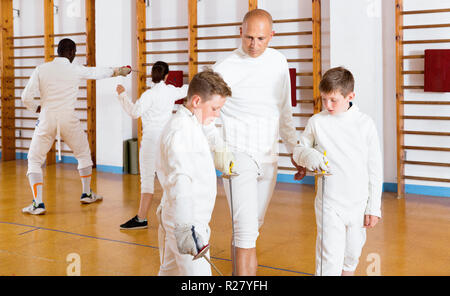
<point x="336" y="103"/>
<point x="256" y="33"/>
<point x="208" y="111"/>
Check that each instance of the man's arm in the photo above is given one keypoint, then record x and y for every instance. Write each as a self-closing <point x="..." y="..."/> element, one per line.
<point x="31" y="90"/>
<point x="287" y="129"/>
<point x="135" y="110"/>
<point x="102" y="72"/>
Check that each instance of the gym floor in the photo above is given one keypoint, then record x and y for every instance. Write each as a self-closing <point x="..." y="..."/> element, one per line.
<point x="413" y="238"/>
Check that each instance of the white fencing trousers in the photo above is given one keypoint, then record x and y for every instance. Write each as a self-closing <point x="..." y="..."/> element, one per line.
<point x="252" y="191"/>
<point x="147" y="161"/>
<point x="172" y="262"/>
<point x="72" y="132"/>
<point x="343" y="240"/>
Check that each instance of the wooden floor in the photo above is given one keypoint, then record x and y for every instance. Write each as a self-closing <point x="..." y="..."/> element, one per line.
<point x="413" y="238"/>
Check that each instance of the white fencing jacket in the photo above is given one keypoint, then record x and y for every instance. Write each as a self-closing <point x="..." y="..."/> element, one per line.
<point x="186" y="171"/>
<point x="58" y="82"/>
<point x="351" y="143"/>
<point x="259" y="111"/>
<point x="155" y="105"/>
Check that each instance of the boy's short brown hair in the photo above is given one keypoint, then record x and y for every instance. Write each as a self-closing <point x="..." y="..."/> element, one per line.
<point x="337" y="79"/>
<point x="206" y="84"/>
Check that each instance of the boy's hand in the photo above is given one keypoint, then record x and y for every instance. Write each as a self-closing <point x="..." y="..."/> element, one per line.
<point x="370" y="221"/>
<point x="120" y="89"/>
<point x="188" y="240"/>
<point x="301" y="171"/>
<point x="224" y="160"/>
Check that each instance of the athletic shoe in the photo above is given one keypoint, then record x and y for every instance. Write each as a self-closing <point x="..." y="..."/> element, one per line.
<point x="134" y="223"/>
<point x="90" y="198"/>
<point x="35" y="209"/>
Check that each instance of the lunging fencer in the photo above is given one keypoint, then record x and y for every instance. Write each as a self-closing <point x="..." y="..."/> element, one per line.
<point x="254" y="118"/>
<point x="185" y="169"/>
<point x="352" y="198"/>
<point x="155" y="108"/>
<point x="57" y="83"/>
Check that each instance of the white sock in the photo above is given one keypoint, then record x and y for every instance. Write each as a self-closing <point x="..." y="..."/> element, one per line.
<point x="36" y="182"/>
<point x="141" y="220"/>
<point x="86" y="175"/>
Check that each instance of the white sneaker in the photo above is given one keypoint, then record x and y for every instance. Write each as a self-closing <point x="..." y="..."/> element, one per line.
<point x="34" y="209"/>
<point x="90" y="198"/>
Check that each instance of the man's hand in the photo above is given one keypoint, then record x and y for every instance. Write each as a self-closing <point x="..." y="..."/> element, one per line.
<point x="122" y="71"/>
<point x="120" y="89"/>
<point x="301" y="171"/>
<point x="370" y="221"/>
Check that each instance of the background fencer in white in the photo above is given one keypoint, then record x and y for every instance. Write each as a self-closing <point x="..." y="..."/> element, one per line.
<point x="185" y="169"/>
<point x="253" y="118"/>
<point x="57" y="82"/>
<point x="155" y="108"/>
<point x="352" y="198"/>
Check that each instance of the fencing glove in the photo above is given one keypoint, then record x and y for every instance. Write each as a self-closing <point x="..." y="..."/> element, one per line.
<point x="122" y="71"/>
<point x="188" y="240"/>
<point x="224" y="160"/>
<point x="310" y="158"/>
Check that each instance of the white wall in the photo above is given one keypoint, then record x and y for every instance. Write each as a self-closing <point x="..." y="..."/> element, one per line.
<point x="115" y="46"/>
<point x="355" y="43"/>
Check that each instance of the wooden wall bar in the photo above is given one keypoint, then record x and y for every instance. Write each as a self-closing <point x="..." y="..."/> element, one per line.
<point x="317" y="60"/>
<point x="49" y="52"/>
<point x="401" y="99"/>
<point x="192" y="38"/>
<point x="91" y="84"/>
<point x="7" y="82"/>
<point x="252" y="4"/>
<point x="141" y="56"/>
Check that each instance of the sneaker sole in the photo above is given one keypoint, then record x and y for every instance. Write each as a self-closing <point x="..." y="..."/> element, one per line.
<point x="132" y="228"/>
<point x="34" y="213"/>
<point x="88" y="201"/>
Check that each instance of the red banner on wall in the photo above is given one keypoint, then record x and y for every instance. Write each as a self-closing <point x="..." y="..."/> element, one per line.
<point x="176" y="79"/>
<point x="293" y="75"/>
<point x="437" y="70"/>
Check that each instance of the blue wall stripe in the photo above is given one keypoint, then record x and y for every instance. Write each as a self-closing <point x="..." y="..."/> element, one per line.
<point x="419" y="189"/>
<point x="109" y="169"/>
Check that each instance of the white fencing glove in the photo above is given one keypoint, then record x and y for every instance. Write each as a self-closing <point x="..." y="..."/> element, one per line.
<point x="224" y="160"/>
<point x="122" y="71"/>
<point x="188" y="240"/>
<point x="311" y="159"/>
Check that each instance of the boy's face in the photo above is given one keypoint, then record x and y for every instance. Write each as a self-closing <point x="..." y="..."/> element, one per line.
<point x="335" y="102"/>
<point x="208" y="111"/>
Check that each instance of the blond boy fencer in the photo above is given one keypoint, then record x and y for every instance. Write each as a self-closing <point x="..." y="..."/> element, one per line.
<point x="254" y="118"/>
<point x="186" y="172"/>
<point x="352" y="194"/>
<point x="57" y="82"/>
<point x="155" y="108"/>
